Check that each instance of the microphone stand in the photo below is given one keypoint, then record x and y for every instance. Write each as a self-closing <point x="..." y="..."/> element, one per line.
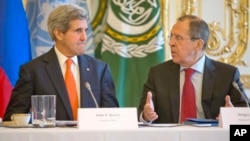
<point x="87" y="85"/>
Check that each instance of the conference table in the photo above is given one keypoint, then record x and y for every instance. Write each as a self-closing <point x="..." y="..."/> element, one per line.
<point x="144" y="133"/>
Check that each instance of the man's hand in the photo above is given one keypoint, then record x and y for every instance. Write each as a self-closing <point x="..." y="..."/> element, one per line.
<point x="148" y="113"/>
<point x="227" y="104"/>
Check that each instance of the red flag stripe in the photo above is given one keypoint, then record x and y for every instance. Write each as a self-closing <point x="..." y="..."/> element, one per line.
<point x="5" y="91"/>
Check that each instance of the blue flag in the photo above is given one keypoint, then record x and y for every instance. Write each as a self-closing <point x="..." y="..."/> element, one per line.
<point x="14" y="38"/>
<point x="14" y="47"/>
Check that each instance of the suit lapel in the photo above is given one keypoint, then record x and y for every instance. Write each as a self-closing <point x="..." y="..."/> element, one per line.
<point x="174" y="82"/>
<point x="54" y="72"/>
<point x="208" y="85"/>
<point x="86" y="74"/>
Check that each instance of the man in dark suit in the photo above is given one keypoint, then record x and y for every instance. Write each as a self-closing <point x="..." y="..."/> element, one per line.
<point x="213" y="81"/>
<point x="45" y="75"/>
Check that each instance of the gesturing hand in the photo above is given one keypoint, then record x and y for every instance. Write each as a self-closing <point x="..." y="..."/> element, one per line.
<point x="148" y="113"/>
<point x="228" y="103"/>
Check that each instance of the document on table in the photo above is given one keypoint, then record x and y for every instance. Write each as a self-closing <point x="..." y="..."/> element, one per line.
<point x="200" y="122"/>
<point x="66" y="123"/>
<point x="158" y="124"/>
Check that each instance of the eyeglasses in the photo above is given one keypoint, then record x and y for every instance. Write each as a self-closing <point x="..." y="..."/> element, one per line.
<point x="180" y="38"/>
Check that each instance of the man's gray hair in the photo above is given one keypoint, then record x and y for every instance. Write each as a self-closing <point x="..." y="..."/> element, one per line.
<point x="61" y="17"/>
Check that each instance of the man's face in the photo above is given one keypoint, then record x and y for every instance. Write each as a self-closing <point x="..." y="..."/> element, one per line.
<point x="184" y="51"/>
<point x="73" y="41"/>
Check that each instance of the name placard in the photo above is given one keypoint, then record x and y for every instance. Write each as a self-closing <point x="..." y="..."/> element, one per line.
<point x="234" y="116"/>
<point x="107" y="118"/>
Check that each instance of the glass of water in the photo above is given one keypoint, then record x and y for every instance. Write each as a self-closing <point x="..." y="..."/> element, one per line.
<point x="43" y="108"/>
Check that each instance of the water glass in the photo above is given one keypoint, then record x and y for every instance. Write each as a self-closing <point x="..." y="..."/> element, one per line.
<point x="43" y="108"/>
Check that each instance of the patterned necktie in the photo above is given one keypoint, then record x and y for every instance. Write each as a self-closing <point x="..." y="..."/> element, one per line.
<point x="188" y="105"/>
<point x="71" y="88"/>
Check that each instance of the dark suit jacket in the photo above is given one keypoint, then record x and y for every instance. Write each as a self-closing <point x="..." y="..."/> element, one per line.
<point x="43" y="76"/>
<point x="164" y="82"/>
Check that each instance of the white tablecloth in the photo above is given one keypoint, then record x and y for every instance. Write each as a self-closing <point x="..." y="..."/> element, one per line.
<point x="179" y="133"/>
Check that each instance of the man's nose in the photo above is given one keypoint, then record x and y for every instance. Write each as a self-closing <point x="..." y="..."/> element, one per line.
<point x="83" y="36"/>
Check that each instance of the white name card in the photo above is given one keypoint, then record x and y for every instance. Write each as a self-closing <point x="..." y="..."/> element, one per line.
<point x="234" y="115"/>
<point x="107" y="118"/>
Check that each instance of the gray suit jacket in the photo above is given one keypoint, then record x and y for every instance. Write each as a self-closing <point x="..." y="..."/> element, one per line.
<point x="163" y="81"/>
<point x="43" y="76"/>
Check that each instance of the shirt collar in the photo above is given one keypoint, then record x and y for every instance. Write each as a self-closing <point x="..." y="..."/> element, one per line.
<point x="198" y="66"/>
<point x="62" y="58"/>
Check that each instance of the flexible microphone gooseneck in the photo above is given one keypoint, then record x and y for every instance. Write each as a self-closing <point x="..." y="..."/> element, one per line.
<point x="236" y="86"/>
<point x="87" y="85"/>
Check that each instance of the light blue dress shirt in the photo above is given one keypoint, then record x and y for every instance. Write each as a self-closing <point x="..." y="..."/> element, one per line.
<point x="196" y="79"/>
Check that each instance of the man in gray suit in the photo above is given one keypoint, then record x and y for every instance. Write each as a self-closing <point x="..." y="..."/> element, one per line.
<point x="67" y="26"/>
<point x="213" y="81"/>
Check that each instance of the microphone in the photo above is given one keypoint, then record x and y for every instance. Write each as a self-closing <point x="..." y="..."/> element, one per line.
<point x="236" y="86"/>
<point x="87" y="85"/>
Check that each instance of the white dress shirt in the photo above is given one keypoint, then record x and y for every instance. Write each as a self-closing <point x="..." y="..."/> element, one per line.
<point x="74" y="68"/>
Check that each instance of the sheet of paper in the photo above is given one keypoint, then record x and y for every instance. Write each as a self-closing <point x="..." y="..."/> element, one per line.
<point x="235" y="115"/>
<point x="107" y="118"/>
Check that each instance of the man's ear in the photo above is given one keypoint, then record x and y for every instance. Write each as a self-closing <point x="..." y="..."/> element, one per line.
<point x="200" y="44"/>
<point x="58" y="34"/>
